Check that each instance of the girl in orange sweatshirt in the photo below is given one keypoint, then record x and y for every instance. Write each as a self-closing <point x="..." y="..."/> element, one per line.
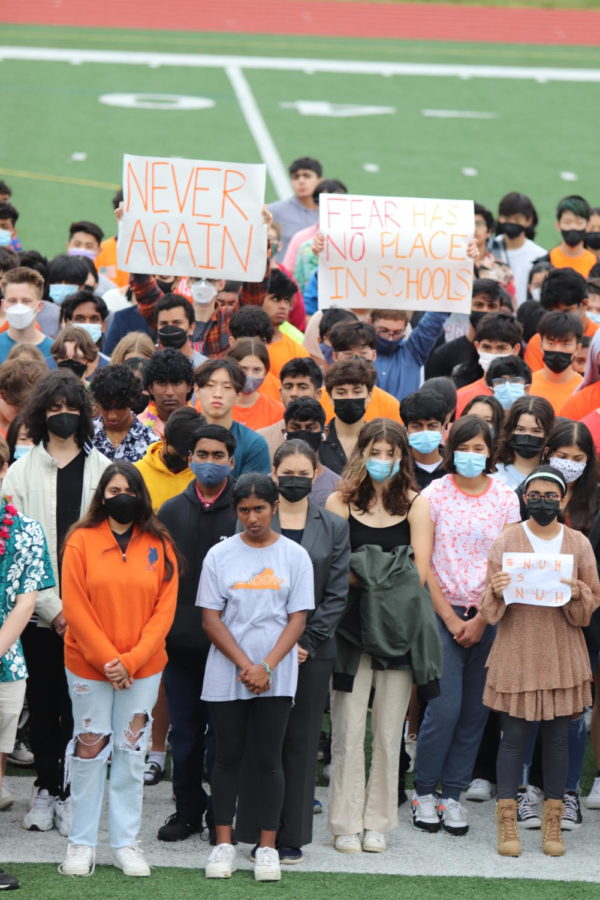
<point x="119" y="595"/>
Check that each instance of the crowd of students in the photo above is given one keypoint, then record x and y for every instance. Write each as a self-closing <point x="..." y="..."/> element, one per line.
<point x="226" y="511"/>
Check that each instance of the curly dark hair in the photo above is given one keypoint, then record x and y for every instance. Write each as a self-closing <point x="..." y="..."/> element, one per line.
<point x="116" y="387"/>
<point x="168" y="365"/>
<point x="356" y="486"/>
<point x="251" y="321"/>
<point x="146" y="521"/>
<point x="59" y="386"/>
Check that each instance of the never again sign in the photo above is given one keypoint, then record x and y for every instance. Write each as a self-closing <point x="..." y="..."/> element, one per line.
<point x="395" y="253"/>
<point x="192" y="217"/>
<point x="537" y="578"/>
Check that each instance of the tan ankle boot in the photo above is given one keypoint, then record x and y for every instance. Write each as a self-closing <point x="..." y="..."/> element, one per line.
<point x="509" y="842"/>
<point x="552" y="839"/>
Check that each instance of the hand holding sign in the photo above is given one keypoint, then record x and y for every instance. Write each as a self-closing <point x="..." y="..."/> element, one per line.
<point x="537" y="579"/>
<point x="191" y="217"/>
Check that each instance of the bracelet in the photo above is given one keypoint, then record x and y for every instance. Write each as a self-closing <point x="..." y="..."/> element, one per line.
<point x="266" y="667"/>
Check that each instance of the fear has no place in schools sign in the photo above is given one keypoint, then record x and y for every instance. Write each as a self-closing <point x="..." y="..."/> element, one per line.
<point x="395" y="253"/>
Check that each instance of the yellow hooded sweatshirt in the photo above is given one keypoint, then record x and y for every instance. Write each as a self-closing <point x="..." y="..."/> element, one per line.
<point x="162" y="484"/>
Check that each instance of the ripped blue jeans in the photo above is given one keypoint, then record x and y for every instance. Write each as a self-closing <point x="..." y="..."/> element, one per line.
<point x="100" y="712"/>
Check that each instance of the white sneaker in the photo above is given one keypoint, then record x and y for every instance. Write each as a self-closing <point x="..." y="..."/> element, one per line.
<point x="454" y="816"/>
<point x="480" y="790"/>
<point x="41" y="812"/>
<point x="80" y="860"/>
<point x="266" y="864"/>
<point x="63" y="815"/>
<point x="221" y="862"/>
<point x="6" y="798"/>
<point x="424" y="809"/>
<point x="131" y="860"/>
<point x="374" y="841"/>
<point x="592" y="801"/>
<point x="347" y="843"/>
<point x="21" y="755"/>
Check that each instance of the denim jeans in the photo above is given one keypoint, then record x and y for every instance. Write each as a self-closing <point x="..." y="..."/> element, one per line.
<point x="454" y="722"/>
<point x="100" y="710"/>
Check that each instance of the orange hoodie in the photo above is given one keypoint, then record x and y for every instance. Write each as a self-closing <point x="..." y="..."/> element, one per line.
<point x="116" y="605"/>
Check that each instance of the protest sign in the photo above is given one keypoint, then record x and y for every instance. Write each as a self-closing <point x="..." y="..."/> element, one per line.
<point x="193" y="217"/>
<point x="536" y="578"/>
<point x="395" y="253"/>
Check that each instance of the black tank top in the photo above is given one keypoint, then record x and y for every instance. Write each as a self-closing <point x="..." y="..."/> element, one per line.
<point x="388" y="538"/>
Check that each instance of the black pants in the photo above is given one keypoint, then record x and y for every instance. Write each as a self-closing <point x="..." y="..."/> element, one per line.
<point x="260" y="725"/>
<point x="485" y="764"/>
<point x="50" y="715"/>
<point x="189" y="714"/>
<point x="513" y="747"/>
<point x="300" y="749"/>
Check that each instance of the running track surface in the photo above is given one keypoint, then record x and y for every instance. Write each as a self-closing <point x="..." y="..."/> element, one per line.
<point x="406" y="21"/>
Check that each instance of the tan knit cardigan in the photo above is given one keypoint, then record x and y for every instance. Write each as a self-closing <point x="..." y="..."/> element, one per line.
<point x="538" y="667"/>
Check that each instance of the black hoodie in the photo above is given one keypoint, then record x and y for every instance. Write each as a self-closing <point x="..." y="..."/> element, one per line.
<point x="194" y="529"/>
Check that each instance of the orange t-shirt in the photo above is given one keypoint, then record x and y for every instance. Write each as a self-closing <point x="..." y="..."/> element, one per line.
<point x="117" y="605"/>
<point x="261" y="414"/>
<point x="106" y="263"/>
<point x="465" y="394"/>
<point x="583" y="402"/>
<point x="582" y="263"/>
<point x="381" y="406"/>
<point x="282" y="351"/>
<point x="270" y="387"/>
<point x="556" y="394"/>
<point x="534" y="356"/>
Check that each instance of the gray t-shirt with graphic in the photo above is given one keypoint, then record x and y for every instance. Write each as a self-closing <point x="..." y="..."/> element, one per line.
<point x="256" y="588"/>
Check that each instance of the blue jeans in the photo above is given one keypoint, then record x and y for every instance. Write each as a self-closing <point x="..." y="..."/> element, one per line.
<point x="101" y="711"/>
<point x="454" y="722"/>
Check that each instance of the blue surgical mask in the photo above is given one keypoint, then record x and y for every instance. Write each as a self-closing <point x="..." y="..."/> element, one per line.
<point x="81" y="251"/>
<point x="425" y="441"/>
<point x="381" y="470"/>
<point x="59" y="292"/>
<point x="21" y="449"/>
<point x="594" y="317"/>
<point x="507" y="393"/>
<point x="468" y="464"/>
<point x="93" y="329"/>
<point x="209" y="473"/>
<point x="327" y="352"/>
<point x="5" y="237"/>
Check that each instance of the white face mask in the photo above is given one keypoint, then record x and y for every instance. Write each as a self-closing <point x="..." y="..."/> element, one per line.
<point x="20" y="316"/>
<point x="486" y="359"/>
<point x="203" y="292"/>
<point x="535" y="293"/>
<point x="570" y="469"/>
<point x="94" y="329"/>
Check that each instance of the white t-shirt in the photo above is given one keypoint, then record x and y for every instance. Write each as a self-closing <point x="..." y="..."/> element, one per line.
<point x="509" y="475"/>
<point x="542" y="545"/>
<point x="520" y="262"/>
<point x="256" y="588"/>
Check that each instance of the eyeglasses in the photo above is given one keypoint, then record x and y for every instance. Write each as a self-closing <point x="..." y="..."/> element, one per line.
<point x="508" y="379"/>
<point x="535" y="495"/>
<point x="390" y="335"/>
<point x="347" y="355"/>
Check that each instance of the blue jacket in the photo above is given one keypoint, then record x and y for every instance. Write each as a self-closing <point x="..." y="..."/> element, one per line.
<point x="399" y="373"/>
<point x="122" y="322"/>
<point x="251" y="451"/>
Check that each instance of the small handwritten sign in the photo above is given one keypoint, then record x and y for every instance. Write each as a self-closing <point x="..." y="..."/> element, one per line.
<point x="536" y="579"/>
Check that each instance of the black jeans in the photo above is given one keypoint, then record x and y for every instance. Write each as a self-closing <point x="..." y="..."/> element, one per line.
<point x="258" y="724"/>
<point x="513" y="747"/>
<point x="50" y="715"/>
<point x="189" y="716"/>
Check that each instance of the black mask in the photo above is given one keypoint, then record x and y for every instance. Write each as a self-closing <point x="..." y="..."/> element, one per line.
<point x="526" y="445"/>
<point x="294" y="487"/>
<point x="557" y="361"/>
<point x="312" y="438"/>
<point x="592" y="240"/>
<point x="350" y="409"/>
<point x="63" y="425"/>
<point x="476" y="315"/>
<point x="75" y="365"/>
<point x="542" y="511"/>
<point x="173" y="462"/>
<point x="510" y="229"/>
<point x="123" y="508"/>
<point x="172" y="336"/>
<point x="165" y="286"/>
<point x="573" y="236"/>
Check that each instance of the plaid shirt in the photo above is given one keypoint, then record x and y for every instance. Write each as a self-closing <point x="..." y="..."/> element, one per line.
<point x="132" y="447"/>
<point x="215" y="340"/>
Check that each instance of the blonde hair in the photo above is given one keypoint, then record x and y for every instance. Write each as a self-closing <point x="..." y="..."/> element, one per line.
<point x="136" y="343"/>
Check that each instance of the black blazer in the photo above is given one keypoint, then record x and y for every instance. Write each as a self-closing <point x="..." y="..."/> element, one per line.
<point x="326" y="539"/>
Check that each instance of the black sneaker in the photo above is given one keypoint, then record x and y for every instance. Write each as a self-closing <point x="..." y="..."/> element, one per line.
<point x="571" y="817"/>
<point x="8" y="882"/>
<point x="177" y="828"/>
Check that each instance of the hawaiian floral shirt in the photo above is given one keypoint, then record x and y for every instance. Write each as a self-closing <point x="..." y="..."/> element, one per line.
<point x="132" y="447"/>
<point x="24" y="567"/>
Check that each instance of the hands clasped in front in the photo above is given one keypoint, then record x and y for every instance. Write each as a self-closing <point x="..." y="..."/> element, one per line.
<point x="118" y="675"/>
<point x="256" y="678"/>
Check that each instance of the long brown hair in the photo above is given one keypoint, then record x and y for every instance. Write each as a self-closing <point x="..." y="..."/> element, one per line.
<point x="356" y="486"/>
